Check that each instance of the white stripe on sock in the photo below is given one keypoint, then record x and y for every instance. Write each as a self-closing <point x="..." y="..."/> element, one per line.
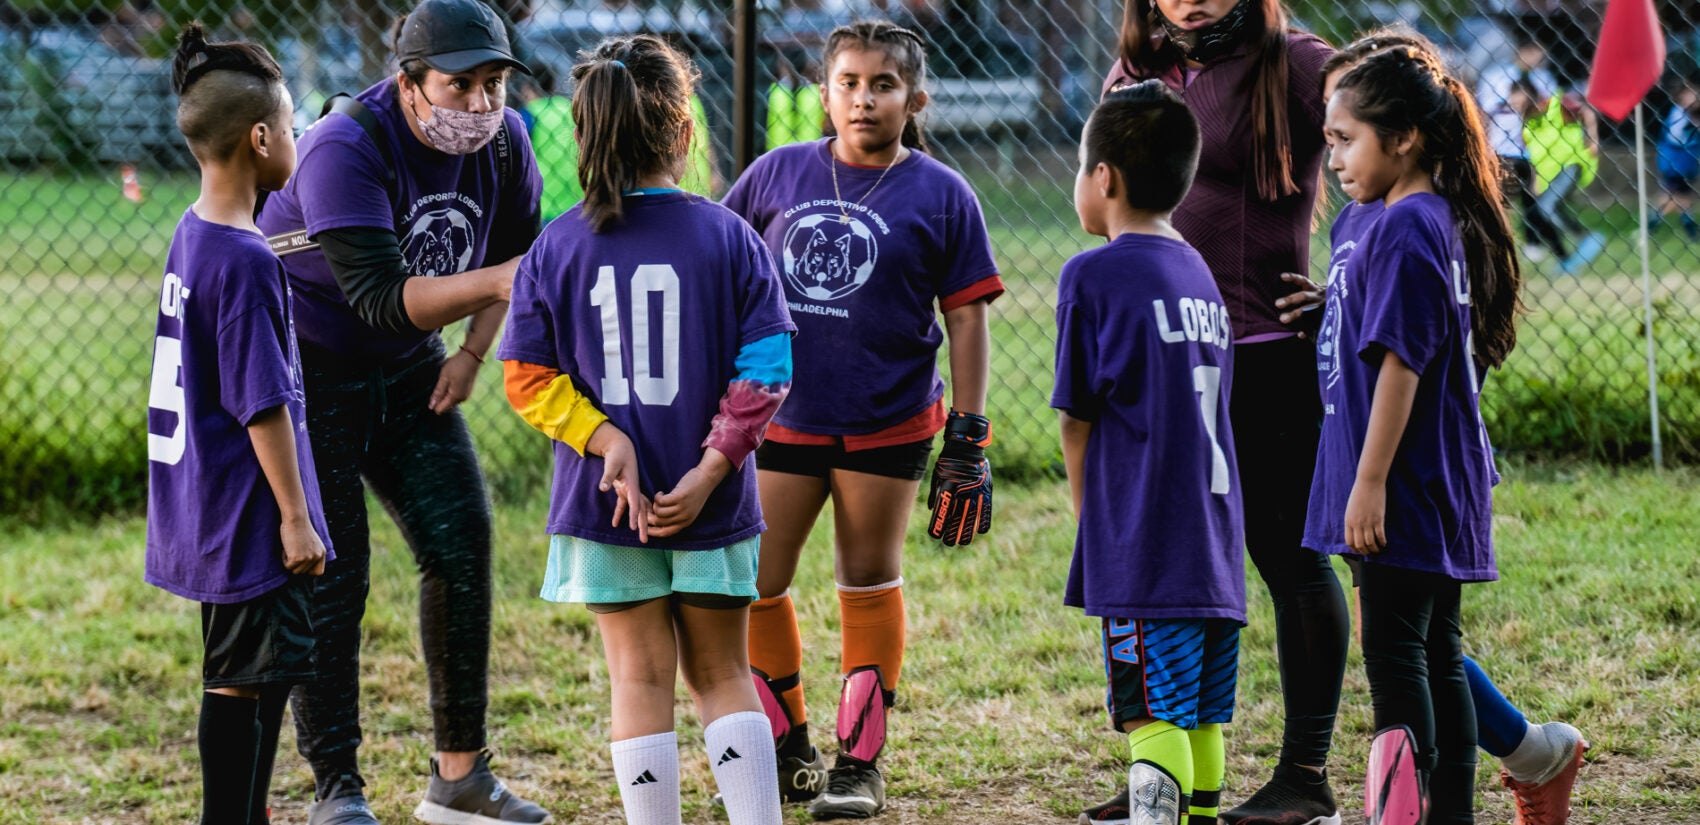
<point x="845" y="588"/>
<point x="740" y="750"/>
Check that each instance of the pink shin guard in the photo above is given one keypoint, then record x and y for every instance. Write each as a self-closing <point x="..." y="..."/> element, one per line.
<point x="778" y="716"/>
<point x="1394" y="792"/>
<point x="861" y="714"/>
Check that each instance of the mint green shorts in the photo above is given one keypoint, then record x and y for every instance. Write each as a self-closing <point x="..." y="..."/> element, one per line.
<point x="584" y="571"/>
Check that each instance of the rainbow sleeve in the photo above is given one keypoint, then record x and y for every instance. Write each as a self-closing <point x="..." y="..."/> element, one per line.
<point x="547" y="399"/>
<point x="751" y="399"/>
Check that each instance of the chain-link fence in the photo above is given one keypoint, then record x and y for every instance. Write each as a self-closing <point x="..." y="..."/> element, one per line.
<point x="95" y="178"/>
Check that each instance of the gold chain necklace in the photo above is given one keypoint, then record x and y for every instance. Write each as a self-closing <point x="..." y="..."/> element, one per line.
<point x="843" y="213"/>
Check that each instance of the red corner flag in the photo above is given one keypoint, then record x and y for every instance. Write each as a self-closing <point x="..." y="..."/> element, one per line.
<point x="1629" y="59"/>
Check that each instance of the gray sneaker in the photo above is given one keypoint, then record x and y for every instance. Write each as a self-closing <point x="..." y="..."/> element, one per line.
<point x="478" y="798"/>
<point x="346" y="805"/>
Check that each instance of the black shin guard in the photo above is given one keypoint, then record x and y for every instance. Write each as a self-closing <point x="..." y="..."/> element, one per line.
<point x="273" y="699"/>
<point x="229" y="739"/>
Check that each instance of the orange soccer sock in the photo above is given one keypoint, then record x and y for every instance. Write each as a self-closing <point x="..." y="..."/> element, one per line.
<point x="776" y="649"/>
<point x="874" y="628"/>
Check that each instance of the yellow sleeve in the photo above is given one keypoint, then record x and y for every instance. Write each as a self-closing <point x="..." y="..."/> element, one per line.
<point x="547" y="400"/>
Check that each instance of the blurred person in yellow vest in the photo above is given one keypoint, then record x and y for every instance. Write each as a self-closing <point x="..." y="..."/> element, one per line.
<point x="550" y="117"/>
<point x="794" y="110"/>
<point x="701" y="175"/>
<point x="1564" y="150"/>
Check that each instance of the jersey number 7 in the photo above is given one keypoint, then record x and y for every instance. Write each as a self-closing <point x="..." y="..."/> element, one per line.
<point x="1207" y="382"/>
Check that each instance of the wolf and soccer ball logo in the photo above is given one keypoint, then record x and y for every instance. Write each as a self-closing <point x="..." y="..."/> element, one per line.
<point x="827" y="258"/>
<point x="440" y="243"/>
<point x="1328" y="338"/>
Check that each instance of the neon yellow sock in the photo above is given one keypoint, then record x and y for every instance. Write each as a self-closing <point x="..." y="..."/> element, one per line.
<point x="1209" y="767"/>
<point x="1166" y="746"/>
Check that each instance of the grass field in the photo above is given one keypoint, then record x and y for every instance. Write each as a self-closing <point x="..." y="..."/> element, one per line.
<point x="1000" y="717"/>
<point x="78" y="291"/>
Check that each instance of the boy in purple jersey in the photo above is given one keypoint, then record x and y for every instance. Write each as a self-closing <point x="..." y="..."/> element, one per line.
<point x="875" y="240"/>
<point x="234" y="517"/>
<point x="1142" y="387"/>
<point x="1423" y="301"/>
<point x="649" y="338"/>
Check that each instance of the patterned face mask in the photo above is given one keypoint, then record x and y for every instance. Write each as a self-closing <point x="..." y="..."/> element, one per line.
<point x="456" y="132"/>
<point x="1214" y="40"/>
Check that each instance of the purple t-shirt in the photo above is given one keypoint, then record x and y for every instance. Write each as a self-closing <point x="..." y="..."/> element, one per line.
<point x="444" y="211"/>
<point x="1143" y="353"/>
<point x="224" y="352"/>
<point x="863" y="292"/>
<point x="648" y="315"/>
<point x="1397" y="284"/>
<point x="1248" y="241"/>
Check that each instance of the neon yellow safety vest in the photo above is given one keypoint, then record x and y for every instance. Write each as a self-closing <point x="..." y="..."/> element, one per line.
<point x="557" y="154"/>
<point x="793" y="115"/>
<point x="699" y="171"/>
<point x="1554" y="144"/>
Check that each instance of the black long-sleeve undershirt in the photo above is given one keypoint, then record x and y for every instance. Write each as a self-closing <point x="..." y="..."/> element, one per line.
<point x="367" y="264"/>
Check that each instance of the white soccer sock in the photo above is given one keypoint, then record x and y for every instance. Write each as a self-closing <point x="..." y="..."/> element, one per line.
<point x="647" y="769"/>
<point x="1543" y="753"/>
<point x="740" y="748"/>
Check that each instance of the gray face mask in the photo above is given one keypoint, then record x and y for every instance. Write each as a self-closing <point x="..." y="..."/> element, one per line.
<point x="1215" y="39"/>
<point x="456" y="132"/>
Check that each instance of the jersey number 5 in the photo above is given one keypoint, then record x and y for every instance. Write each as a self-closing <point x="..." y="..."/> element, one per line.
<point x="657" y="391"/>
<point x="166" y="393"/>
<point x="1207" y="382"/>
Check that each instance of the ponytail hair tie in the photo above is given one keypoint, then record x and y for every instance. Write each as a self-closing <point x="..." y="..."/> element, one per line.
<point x="619" y="63"/>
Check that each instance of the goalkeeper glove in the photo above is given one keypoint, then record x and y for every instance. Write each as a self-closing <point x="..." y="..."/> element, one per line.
<point x="961" y="493"/>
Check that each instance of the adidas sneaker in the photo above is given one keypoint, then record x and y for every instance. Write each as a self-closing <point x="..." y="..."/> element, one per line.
<point x="478" y="798"/>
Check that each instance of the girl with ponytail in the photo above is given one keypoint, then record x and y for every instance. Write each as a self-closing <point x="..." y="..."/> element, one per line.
<point x="1424" y="303"/>
<point x="648" y="337"/>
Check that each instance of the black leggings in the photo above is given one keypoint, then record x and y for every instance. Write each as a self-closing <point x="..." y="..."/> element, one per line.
<point x="374" y="425"/>
<point x="1539" y="228"/>
<point x="1414" y="657"/>
<point x="1276" y="414"/>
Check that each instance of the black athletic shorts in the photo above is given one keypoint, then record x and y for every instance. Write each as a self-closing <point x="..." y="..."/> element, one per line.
<point x="266" y="640"/>
<point x="905" y="461"/>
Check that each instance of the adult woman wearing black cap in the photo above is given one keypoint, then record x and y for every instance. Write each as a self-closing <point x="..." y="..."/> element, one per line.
<point x="408" y="212"/>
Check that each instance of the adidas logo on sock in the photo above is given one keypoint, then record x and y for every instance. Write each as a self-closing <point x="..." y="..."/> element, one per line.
<point x="645" y="778"/>
<point x="728" y="756"/>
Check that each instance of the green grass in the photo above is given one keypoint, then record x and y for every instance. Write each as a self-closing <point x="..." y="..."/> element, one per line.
<point x="1000" y="714"/>
<point x="78" y="291"/>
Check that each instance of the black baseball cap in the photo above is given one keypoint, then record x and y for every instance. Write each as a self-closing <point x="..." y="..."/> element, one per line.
<point x="453" y="36"/>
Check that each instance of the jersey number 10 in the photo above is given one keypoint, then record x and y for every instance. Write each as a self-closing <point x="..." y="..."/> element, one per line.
<point x="656" y="391"/>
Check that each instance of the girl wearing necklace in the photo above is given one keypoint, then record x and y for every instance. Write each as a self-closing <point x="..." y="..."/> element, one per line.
<point x="873" y="238"/>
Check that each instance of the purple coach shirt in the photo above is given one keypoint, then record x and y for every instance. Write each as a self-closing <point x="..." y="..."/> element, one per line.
<point x="224" y="353"/>
<point x="1247" y="241"/>
<point x="1143" y="353"/>
<point x="1397" y="284"/>
<point x="443" y="213"/>
<point x="649" y="315"/>
<point x="863" y="292"/>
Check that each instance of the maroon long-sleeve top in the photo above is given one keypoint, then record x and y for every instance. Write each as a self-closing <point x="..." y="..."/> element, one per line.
<point x="1248" y="241"/>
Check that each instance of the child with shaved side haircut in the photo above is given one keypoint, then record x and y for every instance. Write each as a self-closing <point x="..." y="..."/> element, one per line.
<point x="1142" y="385"/>
<point x="234" y="514"/>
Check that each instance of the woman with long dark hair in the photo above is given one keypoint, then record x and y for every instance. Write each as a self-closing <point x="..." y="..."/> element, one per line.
<point x="1255" y="86"/>
<point x="410" y="208"/>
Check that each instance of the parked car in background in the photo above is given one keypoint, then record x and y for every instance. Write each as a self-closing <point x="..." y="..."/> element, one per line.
<point x="66" y="97"/>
